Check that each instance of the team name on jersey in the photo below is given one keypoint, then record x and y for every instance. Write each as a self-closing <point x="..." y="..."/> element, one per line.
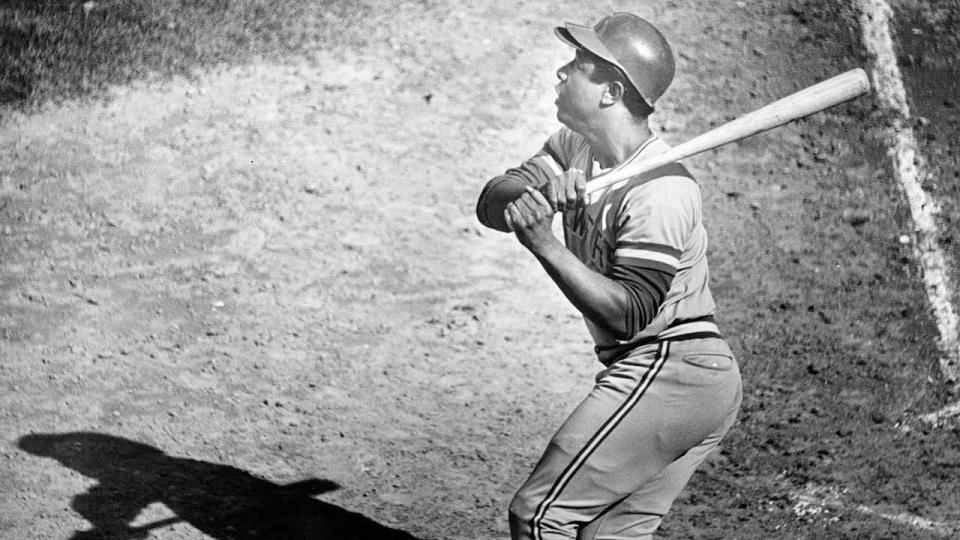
<point x="586" y="237"/>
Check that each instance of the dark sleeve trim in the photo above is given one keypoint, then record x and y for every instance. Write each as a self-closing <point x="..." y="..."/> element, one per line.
<point x="660" y="248"/>
<point x="646" y="264"/>
<point x="547" y="149"/>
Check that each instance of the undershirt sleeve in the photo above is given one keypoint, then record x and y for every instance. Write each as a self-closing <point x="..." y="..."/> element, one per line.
<point x="647" y="289"/>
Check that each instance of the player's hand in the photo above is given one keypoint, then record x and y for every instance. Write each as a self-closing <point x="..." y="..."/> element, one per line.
<point x="531" y="218"/>
<point x="567" y="191"/>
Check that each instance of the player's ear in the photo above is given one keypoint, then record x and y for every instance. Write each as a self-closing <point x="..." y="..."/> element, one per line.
<point x="613" y="93"/>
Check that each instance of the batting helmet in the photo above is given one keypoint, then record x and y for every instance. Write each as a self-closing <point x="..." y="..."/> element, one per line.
<point x="632" y="44"/>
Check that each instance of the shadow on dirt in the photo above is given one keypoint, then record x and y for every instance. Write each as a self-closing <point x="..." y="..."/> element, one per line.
<point x="222" y="501"/>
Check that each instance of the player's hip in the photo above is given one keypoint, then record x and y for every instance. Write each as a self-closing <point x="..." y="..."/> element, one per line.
<point x="696" y="369"/>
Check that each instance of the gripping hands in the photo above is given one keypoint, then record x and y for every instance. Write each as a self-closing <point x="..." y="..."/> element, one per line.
<point x="531" y="215"/>
<point x="567" y="191"/>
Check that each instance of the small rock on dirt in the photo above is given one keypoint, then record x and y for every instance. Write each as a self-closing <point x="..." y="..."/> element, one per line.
<point x="856" y="216"/>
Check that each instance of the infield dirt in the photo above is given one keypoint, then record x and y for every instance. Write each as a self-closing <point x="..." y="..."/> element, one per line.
<point x="258" y="305"/>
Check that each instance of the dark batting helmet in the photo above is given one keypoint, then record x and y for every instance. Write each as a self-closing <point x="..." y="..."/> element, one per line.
<point x="632" y="44"/>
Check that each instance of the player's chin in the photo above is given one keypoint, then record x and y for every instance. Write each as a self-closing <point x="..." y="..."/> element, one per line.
<point x="568" y="122"/>
<point x="564" y="117"/>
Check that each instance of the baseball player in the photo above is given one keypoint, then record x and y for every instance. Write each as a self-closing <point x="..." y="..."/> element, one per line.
<point x="633" y="262"/>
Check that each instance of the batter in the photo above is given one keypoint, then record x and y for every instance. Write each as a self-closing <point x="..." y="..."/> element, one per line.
<point x="633" y="262"/>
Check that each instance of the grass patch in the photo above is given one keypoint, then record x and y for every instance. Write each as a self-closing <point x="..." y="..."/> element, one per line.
<point x="50" y="50"/>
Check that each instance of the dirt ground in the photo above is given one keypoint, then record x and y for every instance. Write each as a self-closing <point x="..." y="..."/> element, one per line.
<point x="257" y="304"/>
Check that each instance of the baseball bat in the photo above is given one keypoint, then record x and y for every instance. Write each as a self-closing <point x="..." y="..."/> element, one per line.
<point x="821" y="96"/>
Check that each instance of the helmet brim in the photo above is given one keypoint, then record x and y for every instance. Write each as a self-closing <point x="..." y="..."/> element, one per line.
<point x="583" y="37"/>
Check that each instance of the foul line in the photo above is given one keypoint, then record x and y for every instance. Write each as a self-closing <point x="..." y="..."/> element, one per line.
<point x="826" y="503"/>
<point x="875" y="16"/>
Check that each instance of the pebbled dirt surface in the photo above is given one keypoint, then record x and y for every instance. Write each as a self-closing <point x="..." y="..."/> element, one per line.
<point x="257" y="304"/>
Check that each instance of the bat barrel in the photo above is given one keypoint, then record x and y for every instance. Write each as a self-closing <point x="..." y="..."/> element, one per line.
<point x="821" y="96"/>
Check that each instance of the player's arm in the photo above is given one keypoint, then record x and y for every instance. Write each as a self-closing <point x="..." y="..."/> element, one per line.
<point x="544" y="171"/>
<point x="564" y="191"/>
<point x="623" y="303"/>
<point x="498" y="193"/>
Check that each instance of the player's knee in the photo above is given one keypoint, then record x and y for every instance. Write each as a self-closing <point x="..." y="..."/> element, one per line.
<point x="520" y="512"/>
<point x="524" y="519"/>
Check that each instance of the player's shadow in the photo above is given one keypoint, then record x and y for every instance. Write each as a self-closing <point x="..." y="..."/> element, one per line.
<point x="222" y="501"/>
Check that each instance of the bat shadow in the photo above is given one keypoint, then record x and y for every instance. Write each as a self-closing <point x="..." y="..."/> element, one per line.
<point x="223" y="502"/>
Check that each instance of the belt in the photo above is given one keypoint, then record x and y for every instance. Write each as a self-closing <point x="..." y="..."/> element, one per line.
<point x="679" y="330"/>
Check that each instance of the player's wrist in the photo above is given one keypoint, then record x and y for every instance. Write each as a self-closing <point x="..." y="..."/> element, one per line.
<point x="547" y="247"/>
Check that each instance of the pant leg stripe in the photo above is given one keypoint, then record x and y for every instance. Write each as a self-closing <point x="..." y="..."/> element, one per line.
<point x="594" y="442"/>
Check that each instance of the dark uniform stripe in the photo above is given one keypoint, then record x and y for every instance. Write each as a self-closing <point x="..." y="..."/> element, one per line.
<point x="645" y="263"/>
<point x="659" y="248"/>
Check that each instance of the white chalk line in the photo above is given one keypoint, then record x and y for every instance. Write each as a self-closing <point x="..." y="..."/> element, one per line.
<point x="939" y="417"/>
<point x="824" y="503"/>
<point x="875" y="16"/>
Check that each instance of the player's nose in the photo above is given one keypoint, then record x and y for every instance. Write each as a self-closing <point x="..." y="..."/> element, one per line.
<point x="561" y="78"/>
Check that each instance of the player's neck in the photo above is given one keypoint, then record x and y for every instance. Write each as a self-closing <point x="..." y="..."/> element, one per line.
<point x="619" y="140"/>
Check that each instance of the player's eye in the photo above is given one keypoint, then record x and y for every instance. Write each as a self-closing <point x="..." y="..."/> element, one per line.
<point x="579" y="60"/>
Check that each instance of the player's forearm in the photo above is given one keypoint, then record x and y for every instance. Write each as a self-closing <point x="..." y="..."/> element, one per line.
<point x="600" y="299"/>
<point x="496" y="195"/>
<point x="502" y="190"/>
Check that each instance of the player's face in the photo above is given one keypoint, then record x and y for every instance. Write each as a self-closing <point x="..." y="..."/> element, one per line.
<point x="578" y="98"/>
